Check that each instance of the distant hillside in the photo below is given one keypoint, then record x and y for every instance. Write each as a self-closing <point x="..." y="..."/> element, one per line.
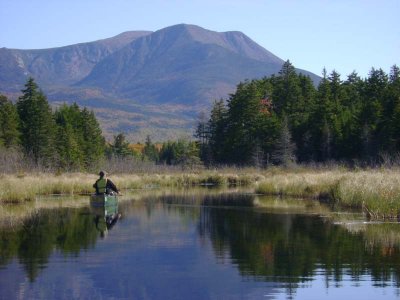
<point x="57" y="66"/>
<point x="143" y="82"/>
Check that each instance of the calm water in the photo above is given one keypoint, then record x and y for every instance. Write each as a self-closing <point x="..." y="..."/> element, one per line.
<point x="199" y="246"/>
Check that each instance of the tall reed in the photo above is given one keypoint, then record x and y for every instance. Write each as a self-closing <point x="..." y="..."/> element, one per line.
<point x="26" y="187"/>
<point x="376" y="191"/>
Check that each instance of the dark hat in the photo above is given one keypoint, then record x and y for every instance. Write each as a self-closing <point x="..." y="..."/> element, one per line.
<point x="102" y="173"/>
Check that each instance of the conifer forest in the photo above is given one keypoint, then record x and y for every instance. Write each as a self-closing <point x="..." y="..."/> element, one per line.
<point x="283" y="119"/>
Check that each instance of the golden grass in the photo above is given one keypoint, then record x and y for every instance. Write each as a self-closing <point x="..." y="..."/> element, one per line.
<point x="377" y="191"/>
<point x="17" y="188"/>
<point x="26" y="187"/>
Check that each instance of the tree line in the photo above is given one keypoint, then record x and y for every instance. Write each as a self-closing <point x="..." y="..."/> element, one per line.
<point x="278" y="120"/>
<point x="70" y="139"/>
<point x="285" y="119"/>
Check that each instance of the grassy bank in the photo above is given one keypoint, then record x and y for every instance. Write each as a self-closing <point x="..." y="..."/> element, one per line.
<point x="375" y="191"/>
<point x="20" y="188"/>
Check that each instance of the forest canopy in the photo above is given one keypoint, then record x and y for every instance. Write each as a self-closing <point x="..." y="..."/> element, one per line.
<point x="283" y="119"/>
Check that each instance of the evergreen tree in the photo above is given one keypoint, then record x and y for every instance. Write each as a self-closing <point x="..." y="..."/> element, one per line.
<point x="287" y="91"/>
<point x="187" y="154"/>
<point x="168" y="153"/>
<point x="37" y="123"/>
<point x="182" y="153"/>
<point x="351" y="144"/>
<point x="244" y="119"/>
<point x="150" y="151"/>
<point x="390" y="122"/>
<point x="120" y="147"/>
<point x="336" y="119"/>
<point x="300" y="118"/>
<point x="217" y="131"/>
<point x="93" y="141"/>
<point x="69" y="139"/>
<point x="319" y="115"/>
<point x="340" y="120"/>
<point x="9" y="122"/>
<point x="373" y="109"/>
<point x="202" y="133"/>
<point x="284" y="153"/>
<point x="394" y="94"/>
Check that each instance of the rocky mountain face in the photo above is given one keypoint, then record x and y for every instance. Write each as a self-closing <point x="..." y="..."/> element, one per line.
<point x="143" y="82"/>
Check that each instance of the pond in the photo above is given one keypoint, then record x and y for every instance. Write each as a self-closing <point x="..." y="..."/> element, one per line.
<point x="198" y="245"/>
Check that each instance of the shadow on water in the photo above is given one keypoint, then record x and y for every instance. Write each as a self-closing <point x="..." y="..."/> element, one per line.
<point x="266" y="239"/>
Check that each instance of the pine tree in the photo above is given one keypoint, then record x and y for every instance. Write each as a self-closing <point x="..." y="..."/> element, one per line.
<point x="202" y="133"/>
<point x="390" y="119"/>
<point x="300" y="117"/>
<point x="93" y="141"/>
<point x="217" y="131"/>
<point x="167" y="153"/>
<point x="337" y="117"/>
<point x="351" y="144"/>
<point x="322" y="119"/>
<point x="182" y="153"/>
<point x="243" y="123"/>
<point x="373" y="110"/>
<point x="37" y="123"/>
<point x="284" y="153"/>
<point x="120" y="147"/>
<point x="9" y="122"/>
<point x="286" y="91"/>
<point x="150" y="151"/>
<point x="69" y="138"/>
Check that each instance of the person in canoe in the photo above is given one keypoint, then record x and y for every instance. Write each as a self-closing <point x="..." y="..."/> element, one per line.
<point x="103" y="185"/>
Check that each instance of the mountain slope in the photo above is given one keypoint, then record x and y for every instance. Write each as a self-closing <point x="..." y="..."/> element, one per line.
<point x="143" y="82"/>
<point x="182" y="64"/>
<point x="57" y="66"/>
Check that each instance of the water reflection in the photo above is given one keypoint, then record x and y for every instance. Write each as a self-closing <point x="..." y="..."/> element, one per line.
<point x="207" y="246"/>
<point x="105" y="217"/>
<point x="67" y="230"/>
<point x="291" y="248"/>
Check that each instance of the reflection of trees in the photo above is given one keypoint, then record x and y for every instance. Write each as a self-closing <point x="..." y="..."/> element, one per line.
<point x="281" y="247"/>
<point x="68" y="230"/>
<point x="291" y="248"/>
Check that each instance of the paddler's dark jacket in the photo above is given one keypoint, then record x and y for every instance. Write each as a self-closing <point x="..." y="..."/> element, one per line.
<point x="104" y="187"/>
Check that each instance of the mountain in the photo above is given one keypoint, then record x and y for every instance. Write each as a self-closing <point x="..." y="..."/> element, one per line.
<point x="61" y="66"/>
<point x="143" y="82"/>
<point x="182" y="64"/>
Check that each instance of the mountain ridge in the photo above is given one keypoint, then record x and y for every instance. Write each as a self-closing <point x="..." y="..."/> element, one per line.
<point x="57" y="64"/>
<point x="149" y="81"/>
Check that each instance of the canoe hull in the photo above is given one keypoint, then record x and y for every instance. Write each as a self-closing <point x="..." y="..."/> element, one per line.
<point x="103" y="200"/>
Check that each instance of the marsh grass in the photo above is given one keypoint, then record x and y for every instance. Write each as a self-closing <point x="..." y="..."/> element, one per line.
<point x="22" y="187"/>
<point x="376" y="191"/>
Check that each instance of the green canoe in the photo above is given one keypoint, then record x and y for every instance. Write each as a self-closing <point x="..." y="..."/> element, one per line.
<point x="103" y="200"/>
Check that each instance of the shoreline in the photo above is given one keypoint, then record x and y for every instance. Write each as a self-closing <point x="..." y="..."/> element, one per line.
<point x="375" y="191"/>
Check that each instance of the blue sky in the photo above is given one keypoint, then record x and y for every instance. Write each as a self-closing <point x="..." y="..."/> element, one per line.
<point x="344" y="35"/>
